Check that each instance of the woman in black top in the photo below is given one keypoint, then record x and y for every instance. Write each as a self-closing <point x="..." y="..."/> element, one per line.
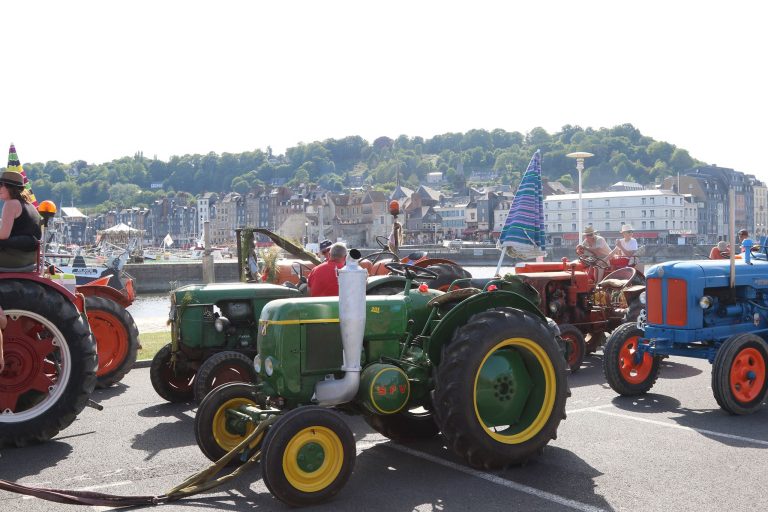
<point x="20" y="228"/>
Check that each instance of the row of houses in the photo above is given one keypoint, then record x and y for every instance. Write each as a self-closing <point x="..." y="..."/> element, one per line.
<point x="691" y="208"/>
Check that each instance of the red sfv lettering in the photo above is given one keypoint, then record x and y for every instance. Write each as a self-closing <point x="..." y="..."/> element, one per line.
<point x="393" y="389"/>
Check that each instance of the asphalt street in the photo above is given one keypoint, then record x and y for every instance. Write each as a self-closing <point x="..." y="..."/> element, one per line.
<point x="672" y="449"/>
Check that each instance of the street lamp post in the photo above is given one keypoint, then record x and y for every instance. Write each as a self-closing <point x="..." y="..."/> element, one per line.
<point x="306" y="233"/>
<point x="580" y="156"/>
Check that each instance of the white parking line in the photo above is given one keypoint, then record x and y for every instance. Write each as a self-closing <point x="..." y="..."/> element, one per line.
<point x="576" y="505"/>
<point x="682" y="427"/>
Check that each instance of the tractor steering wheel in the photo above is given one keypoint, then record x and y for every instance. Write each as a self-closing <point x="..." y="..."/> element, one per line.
<point x="411" y="271"/>
<point x="593" y="261"/>
<point x="383" y="242"/>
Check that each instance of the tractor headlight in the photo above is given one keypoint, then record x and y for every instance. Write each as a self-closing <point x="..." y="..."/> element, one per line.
<point x="269" y="366"/>
<point x="553" y="307"/>
<point x="705" y="302"/>
<point x="641" y="298"/>
<point x="221" y="323"/>
<point x="257" y="363"/>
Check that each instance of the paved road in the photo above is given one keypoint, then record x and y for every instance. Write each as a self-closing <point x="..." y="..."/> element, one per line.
<point x="674" y="449"/>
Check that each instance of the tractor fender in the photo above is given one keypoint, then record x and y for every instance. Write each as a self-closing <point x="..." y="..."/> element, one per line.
<point x="460" y="314"/>
<point x="105" y="292"/>
<point x="75" y="298"/>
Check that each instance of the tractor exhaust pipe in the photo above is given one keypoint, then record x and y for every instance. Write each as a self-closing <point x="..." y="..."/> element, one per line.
<point x="352" y="281"/>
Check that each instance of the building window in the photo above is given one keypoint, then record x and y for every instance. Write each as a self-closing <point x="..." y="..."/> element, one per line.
<point x="573" y="227"/>
<point x="643" y="201"/>
<point x="589" y="203"/>
<point x="607" y="215"/>
<point x="607" y="202"/>
<point x="559" y="227"/>
<point x="644" y="213"/>
<point x="573" y="204"/>
<point x="589" y="215"/>
<point x="623" y="214"/>
<point x="653" y="212"/>
<point x="652" y="200"/>
<point x="607" y="226"/>
<point x="644" y="225"/>
<point x="653" y="225"/>
<point x="559" y="204"/>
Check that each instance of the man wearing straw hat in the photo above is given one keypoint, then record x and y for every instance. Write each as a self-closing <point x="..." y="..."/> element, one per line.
<point x="595" y="246"/>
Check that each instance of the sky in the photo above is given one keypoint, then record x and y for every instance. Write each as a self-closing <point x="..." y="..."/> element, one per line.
<point x="96" y="80"/>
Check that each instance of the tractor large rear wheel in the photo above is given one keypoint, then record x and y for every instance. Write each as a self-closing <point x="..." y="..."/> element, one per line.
<point x="308" y="456"/>
<point x="117" y="339"/>
<point x="50" y="363"/>
<point x="739" y="380"/>
<point x="501" y="388"/>
<point x="627" y="372"/>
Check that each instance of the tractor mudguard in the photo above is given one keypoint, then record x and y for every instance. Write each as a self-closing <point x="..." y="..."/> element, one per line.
<point x="459" y="315"/>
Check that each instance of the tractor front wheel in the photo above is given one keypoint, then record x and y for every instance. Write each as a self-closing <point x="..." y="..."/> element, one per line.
<point x="626" y="371"/>
<point x="575" y="347"/>
<point x="501" y="388"/>
<point x="216" y="432"/>
<point x="221" y="368"/>
<point x="308" y="456"/>
<point x="172" y="379"/>
<point x="739" y="380"/>
<point x="117" y="339"/>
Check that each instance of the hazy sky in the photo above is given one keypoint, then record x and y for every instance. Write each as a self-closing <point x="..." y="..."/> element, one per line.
<point x="98" y="80"/>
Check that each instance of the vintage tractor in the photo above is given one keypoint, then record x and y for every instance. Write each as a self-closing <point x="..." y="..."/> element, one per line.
<point x="50" y="355"/>
<point x="715" y="310"/>
<point x="214" y="329"/>
<point x="484" y="367"/>
<point x="585" y="310"/>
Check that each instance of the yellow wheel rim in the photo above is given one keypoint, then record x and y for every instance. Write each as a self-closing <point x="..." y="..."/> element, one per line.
<point x="225" y="438"/>
<point x="313" y="459"/>
<point x="546" y="376"/>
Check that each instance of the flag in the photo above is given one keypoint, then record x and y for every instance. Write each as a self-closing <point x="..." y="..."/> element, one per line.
<point x="523" y="234"/>
<point x="15" y="165"/>
<point x="168" y="241"/>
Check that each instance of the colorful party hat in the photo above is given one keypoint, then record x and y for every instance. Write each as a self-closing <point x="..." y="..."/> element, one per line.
<point x="15" y="165"/>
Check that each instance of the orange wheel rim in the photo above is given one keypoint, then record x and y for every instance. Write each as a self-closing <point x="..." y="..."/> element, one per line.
<point x="634" y="373"/>
<point x="747" y="375"/>
<point x="574" y="349"/>
<point x="111" y="340"/>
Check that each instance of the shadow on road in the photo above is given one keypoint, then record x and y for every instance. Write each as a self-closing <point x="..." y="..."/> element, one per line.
<point x="590" y="372"/>
<point x="677" y="370"/>
<point x="17" y="463"/>
<point x="168" y="434"/>
<point x="737" y="431"/>
<point x="118" y="389"/>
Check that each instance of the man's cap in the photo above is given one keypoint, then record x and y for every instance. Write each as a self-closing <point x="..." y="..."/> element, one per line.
<point x="325" y="245"/>
<point x="627" y="227"/>
<point x="589" y="230"/>
<point x="743" y="232"/>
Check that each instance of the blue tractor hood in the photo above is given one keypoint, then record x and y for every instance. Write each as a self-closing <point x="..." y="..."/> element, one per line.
<point x="715" y="273"/>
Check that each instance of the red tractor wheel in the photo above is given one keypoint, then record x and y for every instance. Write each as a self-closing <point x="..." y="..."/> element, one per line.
<point x="739" y="380"/>
<point x="50" y="363"/>
<point x="626" y="372"/>
<point x="575" y="348"/>
<point x="172" y="379"/>
<point x="117" y="339"/>
<point x="223" y="368"/>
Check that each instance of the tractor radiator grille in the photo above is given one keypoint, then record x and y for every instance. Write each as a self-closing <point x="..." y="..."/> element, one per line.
<point x="676" y="310"/>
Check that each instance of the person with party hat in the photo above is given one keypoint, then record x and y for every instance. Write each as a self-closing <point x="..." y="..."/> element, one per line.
<point x="15" y="165"/>
<point x="20" y="230"/>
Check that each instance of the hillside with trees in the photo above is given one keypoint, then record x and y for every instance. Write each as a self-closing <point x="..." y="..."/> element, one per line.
<point x="622" y="153"/>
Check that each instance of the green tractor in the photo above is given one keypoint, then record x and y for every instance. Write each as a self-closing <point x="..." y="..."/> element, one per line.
<point x="482" y="366"/>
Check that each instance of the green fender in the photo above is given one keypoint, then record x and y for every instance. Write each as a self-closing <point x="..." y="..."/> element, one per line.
<point x="442" y="333"/>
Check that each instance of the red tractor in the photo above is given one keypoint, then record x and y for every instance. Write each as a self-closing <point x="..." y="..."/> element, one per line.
<point x="586" y="310"/>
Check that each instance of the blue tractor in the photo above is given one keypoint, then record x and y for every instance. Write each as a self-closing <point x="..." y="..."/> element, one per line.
<point x="715" y="310"/>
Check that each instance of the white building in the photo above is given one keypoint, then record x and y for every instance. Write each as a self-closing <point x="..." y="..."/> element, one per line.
<point x="453" y="220"/>
<point x="661" y="215"/>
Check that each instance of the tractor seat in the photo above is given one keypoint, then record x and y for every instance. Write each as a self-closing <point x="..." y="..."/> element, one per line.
<point x="416" y="256"/>
<point x="32" y="267"/>
<point x="614" y="283"/>
<point x="452" y="296"/>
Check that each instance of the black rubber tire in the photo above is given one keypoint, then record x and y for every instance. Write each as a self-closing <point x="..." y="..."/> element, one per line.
<point x="446" y="274"/>
<point x="222" y="368"/>
<point x="455" y="390"/>
<point x="316" y="421"/>
<point x="730" y="354"/>
<point x="616" y="358"/>
<point x="172" y="386"/>
<point x="41" y="416"/>
<point x="575" y="347"/>
<point x="404" y="426"/>
<point x="123" y="320"/>
<point x="210" y="424"/>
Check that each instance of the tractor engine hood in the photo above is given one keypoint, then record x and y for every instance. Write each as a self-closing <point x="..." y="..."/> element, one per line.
<point x="352" y="306"/>
<point x="712" y="273"/>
